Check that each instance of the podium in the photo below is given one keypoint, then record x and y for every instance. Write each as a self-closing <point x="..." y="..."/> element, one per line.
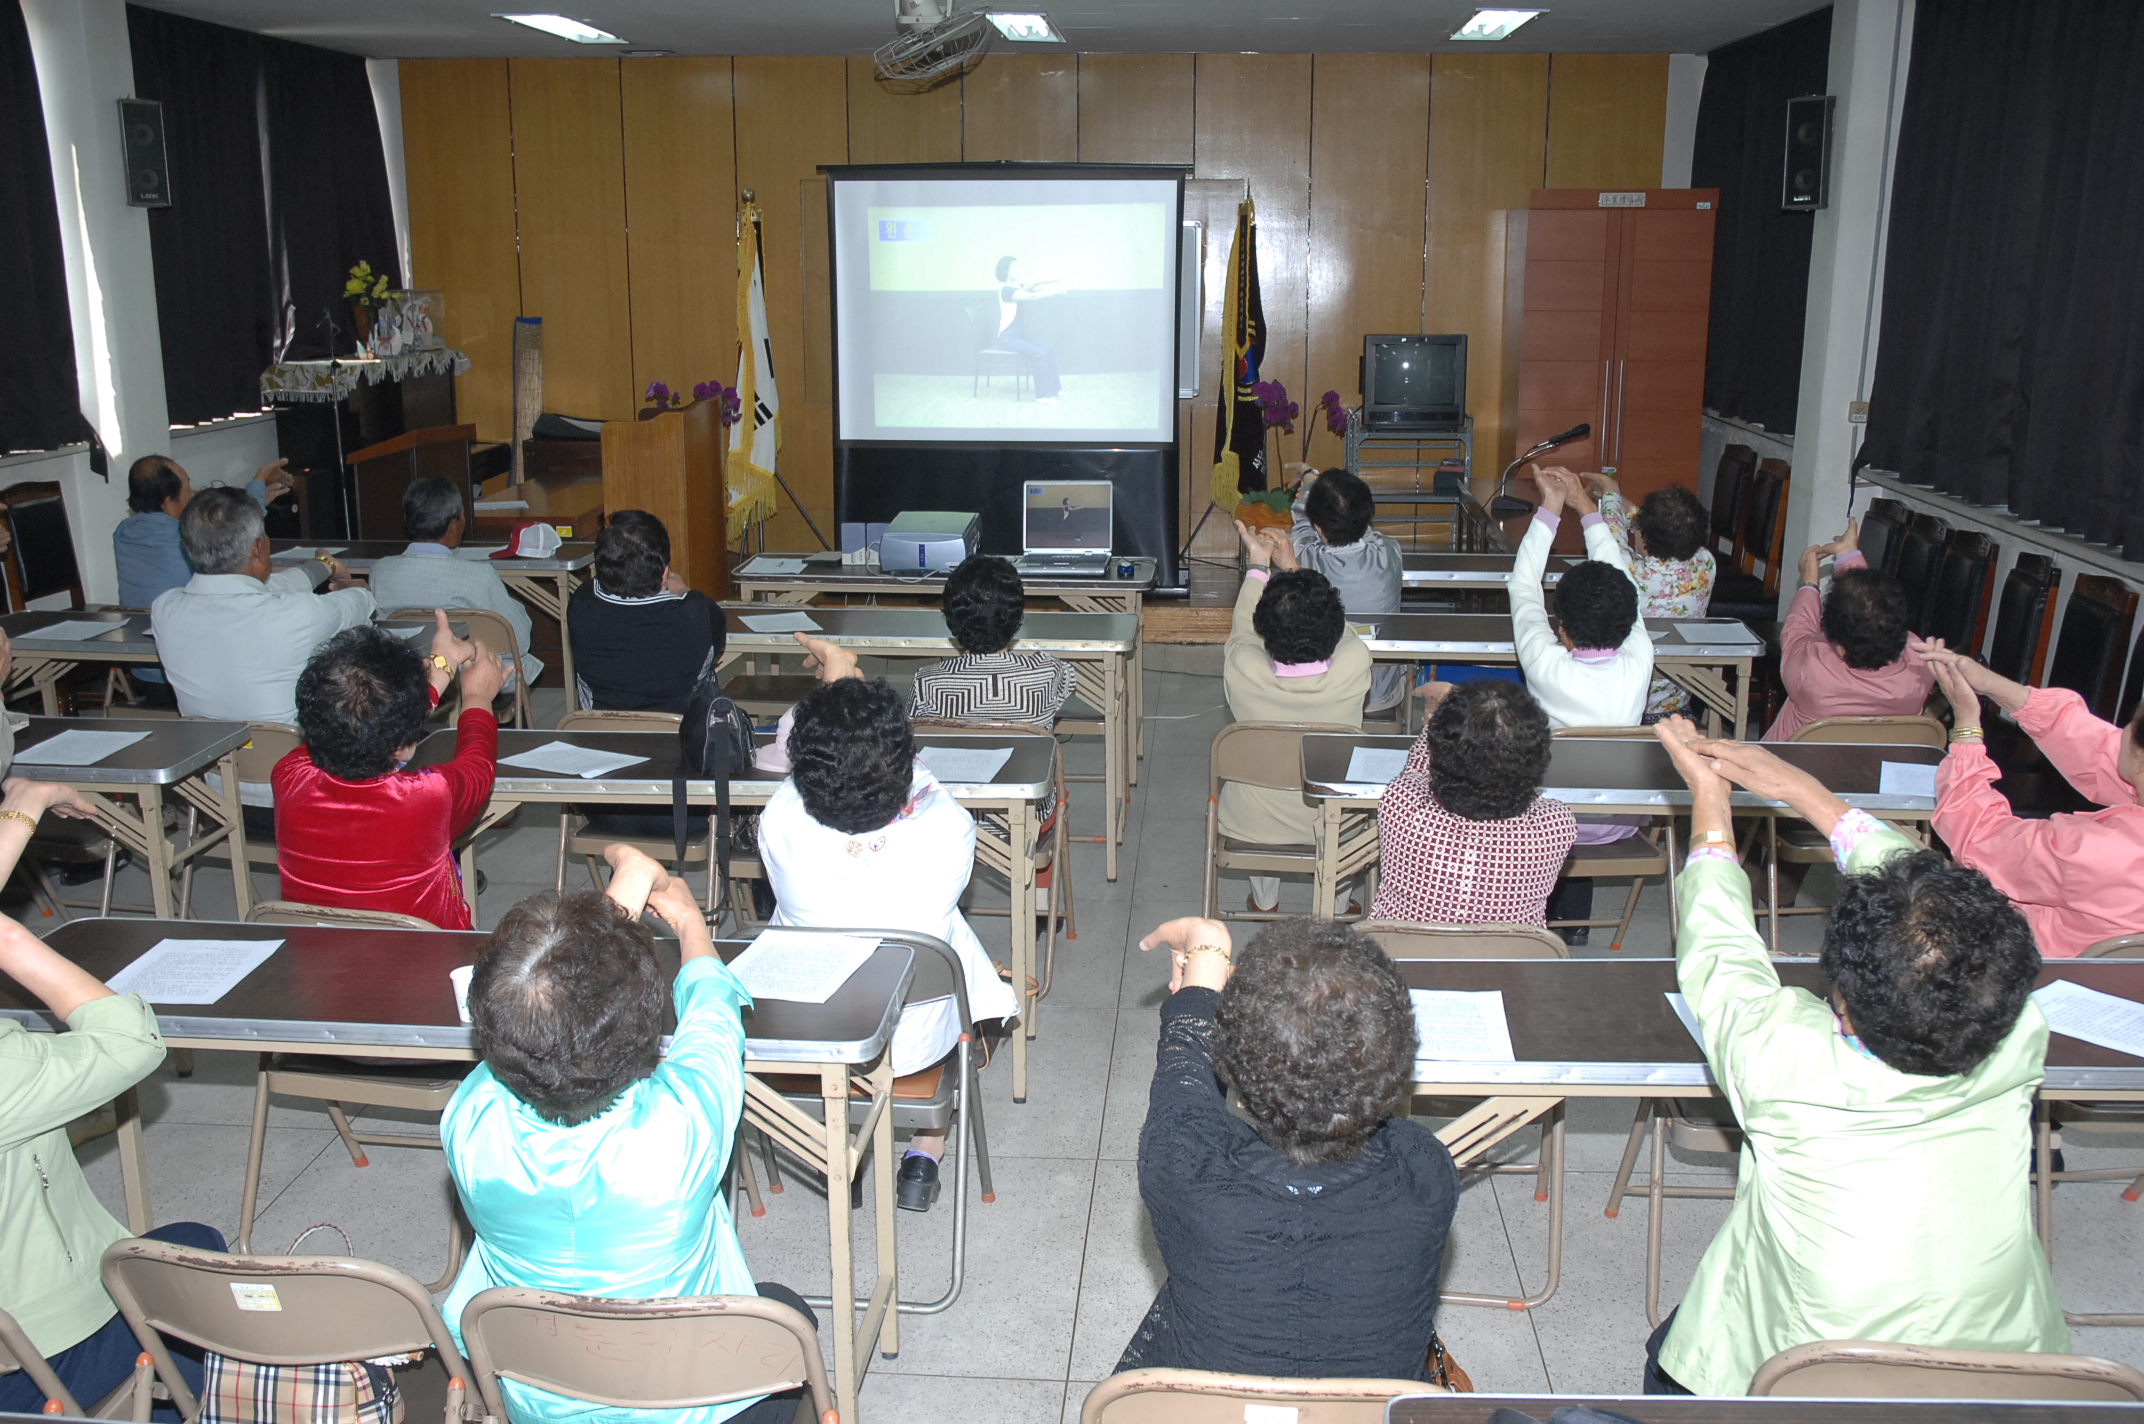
<point x="380" y="473"/>
<point x="670" y="464"/>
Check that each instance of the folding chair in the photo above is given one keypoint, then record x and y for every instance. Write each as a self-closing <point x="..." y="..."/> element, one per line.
<point x="421" y="1087"/>
<point x="944" y="1097"/>
<point x="642" y="1355"/>
<point x="1872" y="1369"/>
<point x="1203" y="1397"/>
<point x="1487" y="1122"/>
<point x="1694" y="1125"/>
<point x="271" y="1310"/>
<point x="1640" y="857"/>
<point x="1261" y="754"/>
<point x="268" y="744"/>
<point x="17" y="1353"/>
<point x="495" y="633"/>
<point x="1053" y="846"/>
<point x="1795" y="841"/>
<point x="575" y="837"/>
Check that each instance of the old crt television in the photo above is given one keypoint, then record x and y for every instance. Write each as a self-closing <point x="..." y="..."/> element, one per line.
<point x="1413" y="382"/>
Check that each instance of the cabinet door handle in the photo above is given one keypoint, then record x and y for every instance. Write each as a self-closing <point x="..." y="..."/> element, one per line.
<point x="1600" y="432"/>
<point x="1619" y="412"/>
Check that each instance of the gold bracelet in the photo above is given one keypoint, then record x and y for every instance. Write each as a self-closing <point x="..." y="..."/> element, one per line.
<point x="23" y="816"/>
<point x="1968" y="734"/>
<point x="1226" y="958"/>
<point x="1711" y="838"/>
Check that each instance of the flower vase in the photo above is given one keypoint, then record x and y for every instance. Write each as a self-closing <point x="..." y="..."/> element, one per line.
<point x="361" y="316"/>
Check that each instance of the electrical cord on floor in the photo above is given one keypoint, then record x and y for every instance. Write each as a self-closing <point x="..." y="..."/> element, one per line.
<point x="1183" y="716"/>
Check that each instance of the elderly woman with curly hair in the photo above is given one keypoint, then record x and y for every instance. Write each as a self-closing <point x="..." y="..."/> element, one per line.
<point x="985" y="603"/>
<point x="1845" y="654"/>
<point x="1309" y="1240"/>
<point x="588" y="1157"/>
<point x="1464" y="834"/>
<point x="861" y="834"/>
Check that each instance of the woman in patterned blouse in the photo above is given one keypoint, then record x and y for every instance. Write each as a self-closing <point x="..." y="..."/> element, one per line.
<point x="1464" y="834"/>
<point x="985" y="604"/>
<point x="1668" y="558"/>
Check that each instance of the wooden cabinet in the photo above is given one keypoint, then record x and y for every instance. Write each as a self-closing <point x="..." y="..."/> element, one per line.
<point x="1605" y="316"/>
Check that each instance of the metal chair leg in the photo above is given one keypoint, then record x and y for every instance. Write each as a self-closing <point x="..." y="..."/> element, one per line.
<point x="1655" y="1199"/>
<point x="349" y="1138"/>
<point x="1638" y="1127"/>
<point x="253" y="1159"/>
<point x="750" y="1179"/>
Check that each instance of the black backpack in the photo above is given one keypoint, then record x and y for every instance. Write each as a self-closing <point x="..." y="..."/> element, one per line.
<point x="714" y="742"/>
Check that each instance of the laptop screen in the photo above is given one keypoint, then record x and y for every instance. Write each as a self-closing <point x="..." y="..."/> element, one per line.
<point x="1068" y="516"/>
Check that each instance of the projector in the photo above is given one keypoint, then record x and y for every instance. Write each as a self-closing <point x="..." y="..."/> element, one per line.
<point x="923" y="540"/>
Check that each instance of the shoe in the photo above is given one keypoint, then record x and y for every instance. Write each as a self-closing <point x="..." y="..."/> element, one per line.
<point x="1250" y="902"/>
<point x="483" y="882"/>
<point x="1582" y="935"/>
<point x="917" y="1186"/>
<point x="88" y="871"/>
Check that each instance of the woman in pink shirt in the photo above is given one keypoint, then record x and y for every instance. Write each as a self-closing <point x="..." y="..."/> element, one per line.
<point x="1846" y="655"/>
<point x="2077" y="878"/>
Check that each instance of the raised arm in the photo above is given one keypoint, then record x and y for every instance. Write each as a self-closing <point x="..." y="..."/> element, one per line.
<point x="2083" y="748"/>
<point x="1529" y="609"/>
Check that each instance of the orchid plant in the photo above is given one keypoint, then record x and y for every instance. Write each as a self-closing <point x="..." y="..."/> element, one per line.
<point x="662" y="397"/>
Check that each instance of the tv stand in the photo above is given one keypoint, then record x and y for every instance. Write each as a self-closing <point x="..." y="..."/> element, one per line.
<point x="1391" y="463"/>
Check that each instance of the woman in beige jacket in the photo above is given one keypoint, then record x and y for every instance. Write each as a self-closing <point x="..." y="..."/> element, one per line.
<point x="1290" y="658"/>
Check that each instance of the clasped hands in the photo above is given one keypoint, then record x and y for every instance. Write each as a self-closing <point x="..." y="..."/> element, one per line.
<point x="483" y="673"/>
<point x="1267" y="547"/>
<point x="1812" y="560"/>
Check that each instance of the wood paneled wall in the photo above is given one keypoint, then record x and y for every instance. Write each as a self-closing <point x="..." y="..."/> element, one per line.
<point x="601" y="194"/>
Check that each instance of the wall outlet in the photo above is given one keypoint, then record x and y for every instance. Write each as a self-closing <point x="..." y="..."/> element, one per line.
<point x="1857" y="412"/>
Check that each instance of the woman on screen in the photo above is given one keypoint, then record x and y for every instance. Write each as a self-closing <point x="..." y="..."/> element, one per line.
<point x="1013" y="334"/>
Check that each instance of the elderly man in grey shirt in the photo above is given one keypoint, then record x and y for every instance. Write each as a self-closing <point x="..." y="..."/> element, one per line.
<point x="235" y="636"/>
<point x="431" y="574"/>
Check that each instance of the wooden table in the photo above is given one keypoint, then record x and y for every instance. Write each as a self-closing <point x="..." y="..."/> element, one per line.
<point x="1604" y="1028"/>
<point x="1594" y="776"/>
<point x="1014" y="798"/>
<point x="41" y="663"/>
<point x="1100" y="646"/>
<point x="175" y="756"/>
<point x="385" y="993"/>
<point x="1701" y="666"/>
<point x="546" y="584"/>
<point x="825" y="574"/>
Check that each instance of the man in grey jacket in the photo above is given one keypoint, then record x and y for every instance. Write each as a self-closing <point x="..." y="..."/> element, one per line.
<point x="1333" y="536"/>
<point x="431" y="573"/>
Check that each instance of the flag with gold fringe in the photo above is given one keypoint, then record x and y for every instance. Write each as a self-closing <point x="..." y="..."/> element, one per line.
<point x="757" y="435"/>
<point x="1239" y="445"/>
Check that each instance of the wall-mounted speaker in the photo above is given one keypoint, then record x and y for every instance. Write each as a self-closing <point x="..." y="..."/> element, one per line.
<point x="141" y="146"/>
<point x="1807" y="182"/>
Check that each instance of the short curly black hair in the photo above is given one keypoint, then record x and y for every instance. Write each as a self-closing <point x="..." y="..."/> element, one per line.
<point x="1488" y="750"/>
<point x="361" y="698"/>
<point x="567" y="1003"/>
<point x="1932" y="962"/>
<point x="1317" y="1034"/>
<point x="985" y="603"/>
<point x="1865" y="614"/>
<point x="1299" y="617"/>
<point x="1340" y="506"/>
<point x="852" y="754"/>
<point x="1673" y="522"/>
<point x="632" y="551"/>
<point x="1597" y="604"/>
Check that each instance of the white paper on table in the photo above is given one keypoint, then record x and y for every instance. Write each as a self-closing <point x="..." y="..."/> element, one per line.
<point x="1656" y="634"/>
<point x="74" y="630"/>
<point x="477" y="553"/>
<point x="801" y="966"/>
<point x="1688" y="1015"/>
<point x="75" y="747"/>
<point x="192" y="971"/>
<point x="460" y="979"/>
<point x="1376" y="764"/>
<point x="767" y="564"/>
<point x="1907" y="778"/>
<point x="2105" y="1019"/>
<point x="566" y="759"/>
<point x="1716" y="633"/>
<point x="1364" y="631"/>
<point x="963" y="766"/>
<point x="1461" y="1026"/>
<point x="779" y="622"/>
<point x="307" y="551"/>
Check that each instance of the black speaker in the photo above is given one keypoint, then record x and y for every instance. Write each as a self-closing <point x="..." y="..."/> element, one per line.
<point x="141" y="145"/>
<point x="1806" y="184"/>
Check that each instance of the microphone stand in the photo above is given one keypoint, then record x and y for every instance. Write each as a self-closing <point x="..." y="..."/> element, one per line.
<point x="1503" y="506"/>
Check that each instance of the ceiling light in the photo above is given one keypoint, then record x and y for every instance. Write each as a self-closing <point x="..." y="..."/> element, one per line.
<point x="1029" y="28"/>
<point x="1494" y="24"/>
<point x="564" y="28"/>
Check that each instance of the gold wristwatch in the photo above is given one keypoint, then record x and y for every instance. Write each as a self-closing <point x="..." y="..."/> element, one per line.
<point x="439" y="661"/>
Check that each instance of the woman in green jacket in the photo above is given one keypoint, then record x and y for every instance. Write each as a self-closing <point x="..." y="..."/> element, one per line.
<point x="1886" y="1131"/>
<point x="53" y="1230"/>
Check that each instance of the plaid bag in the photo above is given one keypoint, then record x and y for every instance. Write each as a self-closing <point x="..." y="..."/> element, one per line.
<point x="357" y="1392"/>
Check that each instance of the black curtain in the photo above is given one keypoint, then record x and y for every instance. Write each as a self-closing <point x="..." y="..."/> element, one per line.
<point x="2011" y="365"/>
<point x="326" y="193"/>
<point x="278" y="185"/>
<point x="40" y="403"/>
<point x="1760" y="254"/>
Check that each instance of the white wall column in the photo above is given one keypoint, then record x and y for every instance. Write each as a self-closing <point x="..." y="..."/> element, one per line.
<point x="1678" y="143"/>
<point x="84" y="66"/>
<point x="1870" y="44"/>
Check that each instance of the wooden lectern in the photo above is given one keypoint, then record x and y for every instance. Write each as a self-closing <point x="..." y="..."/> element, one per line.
<point x="382" y="472"/>
<point x="671" y="466"/>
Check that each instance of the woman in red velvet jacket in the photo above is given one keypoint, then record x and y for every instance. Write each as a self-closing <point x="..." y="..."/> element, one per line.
<point x="354" y="830"/>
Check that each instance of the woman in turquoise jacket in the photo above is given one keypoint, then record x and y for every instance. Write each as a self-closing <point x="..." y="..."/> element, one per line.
<point x="589" y="1160"/>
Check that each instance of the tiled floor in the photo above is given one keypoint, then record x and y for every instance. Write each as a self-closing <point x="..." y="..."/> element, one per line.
<point x="1063" y="1264"/>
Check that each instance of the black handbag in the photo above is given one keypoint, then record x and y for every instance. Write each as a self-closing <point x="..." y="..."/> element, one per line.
<point x="714" y="743"/>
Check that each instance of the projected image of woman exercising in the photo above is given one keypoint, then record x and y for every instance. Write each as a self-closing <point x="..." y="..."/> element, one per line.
<point x="1013" y="335"/>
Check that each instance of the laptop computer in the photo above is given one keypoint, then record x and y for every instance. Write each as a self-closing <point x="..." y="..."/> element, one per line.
<point x="1065" y="527"/>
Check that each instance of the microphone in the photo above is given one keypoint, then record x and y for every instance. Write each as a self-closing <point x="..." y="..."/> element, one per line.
<point x="1502" y="506"/>
<point x="1577" y="432"/>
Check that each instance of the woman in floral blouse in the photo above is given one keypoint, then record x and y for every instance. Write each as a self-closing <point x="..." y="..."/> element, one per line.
<point x="1665" y="539"/>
